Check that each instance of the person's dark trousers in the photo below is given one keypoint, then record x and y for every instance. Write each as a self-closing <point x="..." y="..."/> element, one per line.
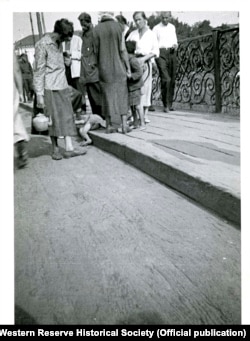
<point x="74" y="82"/>
<point x="94" y="95"/>
<point x="166" y="64"/>
<point x="68" y="75"/>
<point x="28" y="88"/>
<point x="76" y="99"/>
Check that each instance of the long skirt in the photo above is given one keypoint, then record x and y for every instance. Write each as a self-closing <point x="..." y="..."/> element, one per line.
<point x="114" y="99"/>
<point x="59" y="108"/>
<point x="147" y="85"/>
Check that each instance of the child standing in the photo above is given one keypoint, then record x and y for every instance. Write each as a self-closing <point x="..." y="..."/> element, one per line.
<point x="135" y="84"/>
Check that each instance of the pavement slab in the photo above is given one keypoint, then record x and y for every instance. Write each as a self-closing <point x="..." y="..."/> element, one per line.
<point x="196" y="154"/>
<point x="99" y="242"/>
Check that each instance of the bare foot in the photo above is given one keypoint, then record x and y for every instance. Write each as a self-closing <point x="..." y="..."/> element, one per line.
<point x="86" y="143"/>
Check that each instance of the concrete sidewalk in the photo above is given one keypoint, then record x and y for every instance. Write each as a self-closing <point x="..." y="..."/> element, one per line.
<point x="197" y="154"/>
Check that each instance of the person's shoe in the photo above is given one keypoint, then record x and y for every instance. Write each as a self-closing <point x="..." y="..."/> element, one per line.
<point x="22" y="162"/>
<point x="171" y="109"/>
<point x="151" y="108"/>
<point x="22" y="154"/>
<point x="110" y="130"/>
<point x="73" y="153"/>
<point x="56" y="156"/>
<point x="147" y="120"/>
<point x="130" y="123"/>
<point x="125" y="130"/>
<point x="166" y="109"/>
<point x="140" y="128"/>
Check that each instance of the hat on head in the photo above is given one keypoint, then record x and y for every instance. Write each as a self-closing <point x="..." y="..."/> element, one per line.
<point x="106" y="14"/>
<point x="85" y="16"/>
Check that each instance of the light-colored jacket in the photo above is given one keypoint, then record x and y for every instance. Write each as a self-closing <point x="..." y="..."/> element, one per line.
<point x="76" y="52"/>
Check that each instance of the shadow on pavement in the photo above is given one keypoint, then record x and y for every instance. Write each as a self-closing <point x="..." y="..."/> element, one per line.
<point x="22" y="317"/>
<point x="142" y="318"/>
<point x="38" y="146"/>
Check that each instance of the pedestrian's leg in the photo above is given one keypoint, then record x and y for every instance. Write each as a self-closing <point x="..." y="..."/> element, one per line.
<point x="21" y="147"/>
<point x="70" y="152"/>
<point x="56" y="155"/>
<point x="145" y="111"/>
<point x="134" y="115"/>
<point x="31" y="91"/>
<point x="68" y="143"/>
<point x="109" y="128"/>
<point x="25" y="91"/>
<point x="82" y="88"/>
<point x="94" y="95"/>
<point x="139" y="109"/>
<point x="154" y="75"/>
<point x="125" y="128"/>
<point x="162" y="63"/>
<point x="172" y="72"/>
<point x="76" y="101"/>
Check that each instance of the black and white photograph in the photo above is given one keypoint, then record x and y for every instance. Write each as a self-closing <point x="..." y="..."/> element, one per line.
<point x="125" y="153"/>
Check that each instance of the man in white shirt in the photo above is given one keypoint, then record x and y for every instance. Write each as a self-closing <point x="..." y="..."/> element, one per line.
<point x="167" y="40"/>
<point x="72" y="52"/>
<point x="72" y="59"/>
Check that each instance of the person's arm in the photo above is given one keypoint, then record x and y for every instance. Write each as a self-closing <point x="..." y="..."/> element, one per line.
<point x="175" y="45"/>
<point x="96" y="43"/>
<point x="124" y="55"/>
<point x="39" y="74"/>
<point x="30" y="69"/>
<point x="147" y="57"/>
<point x="137" y="70"/>
<point x="18" y="77"/>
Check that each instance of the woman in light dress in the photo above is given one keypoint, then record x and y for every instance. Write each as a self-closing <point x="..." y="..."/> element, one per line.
<point x="146" y="50"/>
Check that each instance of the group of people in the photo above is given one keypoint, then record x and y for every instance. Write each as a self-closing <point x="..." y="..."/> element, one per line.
<point x="109" y="63"/>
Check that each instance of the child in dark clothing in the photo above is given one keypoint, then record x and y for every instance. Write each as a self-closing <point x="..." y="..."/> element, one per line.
<point x="135" y="84"/>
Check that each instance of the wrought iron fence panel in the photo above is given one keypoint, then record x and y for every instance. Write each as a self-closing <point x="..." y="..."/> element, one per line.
<point x="229" y="70"/>
<point x="207" y="76"/>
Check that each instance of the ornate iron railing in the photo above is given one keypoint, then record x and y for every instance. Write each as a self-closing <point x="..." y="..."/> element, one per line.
<point x="207" y="77"/>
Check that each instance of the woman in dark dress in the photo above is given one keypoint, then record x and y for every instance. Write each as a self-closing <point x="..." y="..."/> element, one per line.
<point x="114" y="68"/>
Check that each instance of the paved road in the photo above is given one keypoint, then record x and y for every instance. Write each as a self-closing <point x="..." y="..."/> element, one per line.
<point x="99" y="242"/>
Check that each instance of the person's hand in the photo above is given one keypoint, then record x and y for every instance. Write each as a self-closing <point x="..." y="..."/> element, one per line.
<point x="142" y="64"/>
<point x="67" y="61"/>
<point x="21" y="98"/>
<point x="129" y="74"/>
<point x="66" y="54"/>
<point x="40" y="101"/>
<point x="154" y="68"/>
